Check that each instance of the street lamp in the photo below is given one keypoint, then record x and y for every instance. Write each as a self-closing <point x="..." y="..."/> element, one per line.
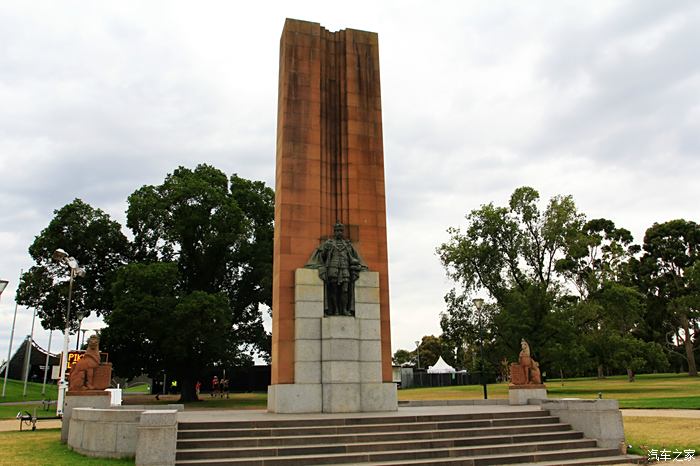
<point x="63" y="258"/>
<point x="3" y="285"/>
<point x="418" y="354"/>
<point x="478" y="303"/>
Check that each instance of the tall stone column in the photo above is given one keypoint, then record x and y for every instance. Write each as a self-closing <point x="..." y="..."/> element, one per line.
<point x="330" y="167"/>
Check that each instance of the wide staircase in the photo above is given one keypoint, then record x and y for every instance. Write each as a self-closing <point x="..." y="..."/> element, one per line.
<point x="446" y="439"/>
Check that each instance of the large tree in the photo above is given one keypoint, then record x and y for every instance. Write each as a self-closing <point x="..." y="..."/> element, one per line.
<point x="512" y="252"/>
<point x="671" y="251"/>
<point x="214" y="236"/>
<point x="609" y="309"/>
<point x="96" y="241"/>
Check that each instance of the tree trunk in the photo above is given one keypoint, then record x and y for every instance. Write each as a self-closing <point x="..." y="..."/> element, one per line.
<point x="187" y="390"/>
<point x="688" y="342"/>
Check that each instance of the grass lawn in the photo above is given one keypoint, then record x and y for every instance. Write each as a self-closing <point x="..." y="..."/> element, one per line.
<point x="10" y="411"/>
<point x="676" y="391"/>
<point x="673" y="434"/>
<point x="234" y="401"/>
<point x="140" y="388"/>
<point x="16" y="387"/>
<point x="44" y="447"/>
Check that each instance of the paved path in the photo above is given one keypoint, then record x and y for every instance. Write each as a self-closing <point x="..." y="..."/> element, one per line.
<point x="211" y="414"/>
<point x="691" y="413"/>
<point x="30" y="402"/>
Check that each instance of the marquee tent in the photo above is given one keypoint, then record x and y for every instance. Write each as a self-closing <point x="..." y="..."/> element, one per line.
<point x="441" y="367"/>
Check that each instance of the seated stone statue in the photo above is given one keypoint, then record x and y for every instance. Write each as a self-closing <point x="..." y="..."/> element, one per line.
<point x="88" y="373"/>
<point x="527" y="370"/>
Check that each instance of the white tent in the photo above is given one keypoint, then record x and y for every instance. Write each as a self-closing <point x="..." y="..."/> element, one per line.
<point x="441" y="367"/>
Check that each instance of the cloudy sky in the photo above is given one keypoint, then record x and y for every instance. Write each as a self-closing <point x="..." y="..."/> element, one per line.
<point x="600" y="100"/>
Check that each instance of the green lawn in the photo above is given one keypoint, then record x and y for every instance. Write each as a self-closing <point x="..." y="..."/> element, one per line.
<point x="140" y="388"/>
<point x="673" y="434"/>
<point x="44" y="447"/>
<point x="678" y="391"/>
<point x="10" y="411"/>
<point x="15" y="388"/>
<point x="235" y="401"/>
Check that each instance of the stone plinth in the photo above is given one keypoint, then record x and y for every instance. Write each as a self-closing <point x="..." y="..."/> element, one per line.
<point x="597" y="419"/>
<point x="81" y="399"/>
<point x="329" y="167"/>
<point x="149" y="435"/>
<point x="157" y="438"/>
<point x="520" y="394"/>
<point x="104" y="433"/>
<point x="338" y="360"/>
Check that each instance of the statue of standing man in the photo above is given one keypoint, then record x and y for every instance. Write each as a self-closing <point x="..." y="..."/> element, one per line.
<point x="339" y="266"/>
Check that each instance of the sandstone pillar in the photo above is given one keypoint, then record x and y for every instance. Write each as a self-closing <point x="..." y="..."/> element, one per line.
<point x="330" y="167"/>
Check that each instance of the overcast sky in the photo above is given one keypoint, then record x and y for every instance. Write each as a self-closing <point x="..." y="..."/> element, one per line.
<point x="600" y="100"/>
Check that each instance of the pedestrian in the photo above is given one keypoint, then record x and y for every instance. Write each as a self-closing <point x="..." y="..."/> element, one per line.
<point x="214" y="385"/>
<point x="224" y="387"/>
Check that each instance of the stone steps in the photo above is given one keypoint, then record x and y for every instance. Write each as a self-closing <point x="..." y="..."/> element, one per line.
<point x="359" y="421"/>
<point x="215" y="429"/>
<point x="479" y="438"/>
<point x="311" y="447"/>
<point x="455" y="435"/>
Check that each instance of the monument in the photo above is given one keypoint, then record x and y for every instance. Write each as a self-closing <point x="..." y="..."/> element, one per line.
<point x="89" y="373"/>
<point x="331" y="342"/>
<point x="87" y="382"/>
<point x="525" y="378"/>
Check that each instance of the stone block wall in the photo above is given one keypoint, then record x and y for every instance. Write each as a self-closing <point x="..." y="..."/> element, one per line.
<point x="338" y="360"/>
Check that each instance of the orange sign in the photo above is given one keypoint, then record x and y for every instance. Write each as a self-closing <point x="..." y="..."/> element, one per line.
<point x="75" y="356"/>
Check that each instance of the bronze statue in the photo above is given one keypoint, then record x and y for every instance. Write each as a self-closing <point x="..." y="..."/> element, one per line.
<point x="339" y="265"/>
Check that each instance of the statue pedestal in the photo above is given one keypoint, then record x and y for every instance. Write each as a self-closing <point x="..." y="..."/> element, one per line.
<point x="337" y="359"/>
<point x="99" y="399"/>
<point x="520" y="394"/>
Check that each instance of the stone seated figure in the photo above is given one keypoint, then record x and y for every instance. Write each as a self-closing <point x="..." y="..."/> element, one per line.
<point x="527" y="370"/>
<point x="89" y="373"/>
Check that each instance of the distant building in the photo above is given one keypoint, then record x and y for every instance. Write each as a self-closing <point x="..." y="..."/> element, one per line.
<point x="37" y="359"/>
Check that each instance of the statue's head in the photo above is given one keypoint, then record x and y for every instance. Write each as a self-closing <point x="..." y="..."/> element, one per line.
<point x="524" y="345"/>
<point x="338" y="230"/>
<point x="93" y="342"/>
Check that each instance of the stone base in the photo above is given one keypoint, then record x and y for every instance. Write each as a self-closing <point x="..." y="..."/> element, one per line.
<point x="99" y="399"/>
<point x="148" y="435"/>
<point x="332" y="398"/>
<point x="378" y="397"/>
<point x="337" y="359"/>
<point x="295" y="398"/>
<point x="520" y="394"/>
<point x="597" y="419"/>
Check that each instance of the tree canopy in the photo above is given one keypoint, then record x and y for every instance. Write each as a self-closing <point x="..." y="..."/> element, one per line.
<point x="210" y="239"/>
<point x="185" y="294"/>
<point x="563" y="283"/>
<point x="96" y="241"/>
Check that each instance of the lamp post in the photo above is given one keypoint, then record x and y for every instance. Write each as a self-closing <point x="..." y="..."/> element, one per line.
<point x="418" y="354"/>
<point x="3" y="284"/>
<point x="46" y="364"/>
<point x="63" y="258"/>
<point x="82" y="339"/>
<point x="478" y="303"/>
<point x="28" y="355"/>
